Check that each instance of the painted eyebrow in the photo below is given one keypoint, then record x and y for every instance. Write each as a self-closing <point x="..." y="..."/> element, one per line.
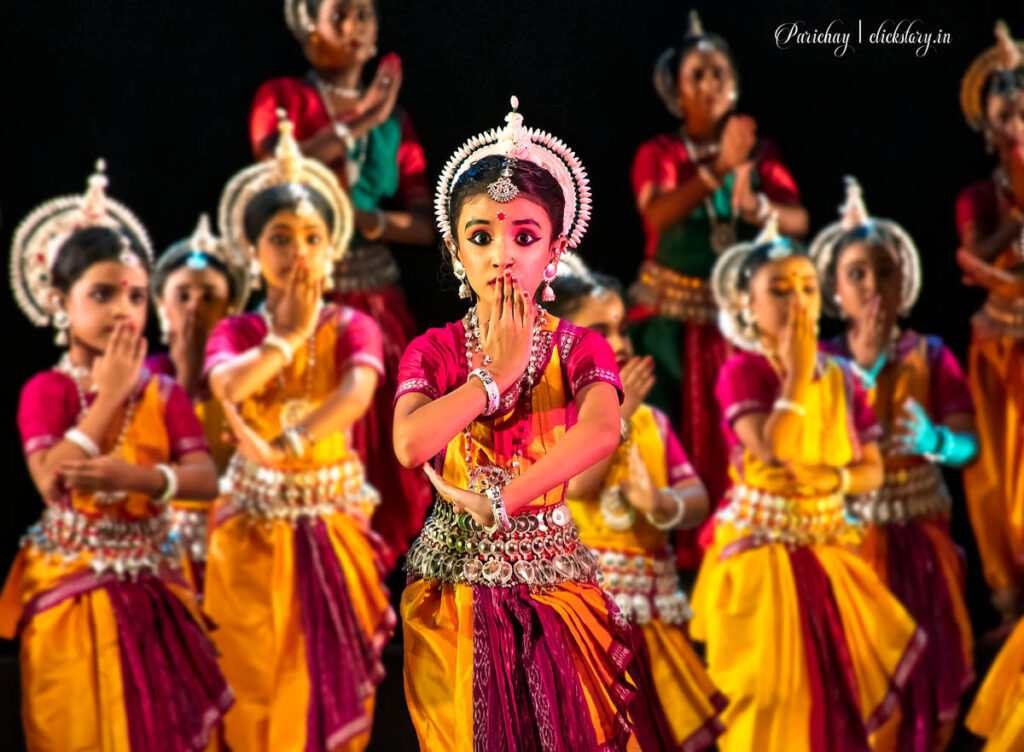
<point x="472" y="222"/>
<point x="526" y="222"/>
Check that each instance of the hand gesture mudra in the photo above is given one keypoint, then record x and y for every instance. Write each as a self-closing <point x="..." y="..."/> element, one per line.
<point x="508" y="336"/>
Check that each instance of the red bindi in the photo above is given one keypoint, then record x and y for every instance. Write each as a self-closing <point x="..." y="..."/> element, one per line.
<point x="500" y="216"/>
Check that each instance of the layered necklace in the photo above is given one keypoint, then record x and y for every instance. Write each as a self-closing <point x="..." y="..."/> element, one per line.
<point x="294" y="411"/>
<point x="353" y="163"/>
<point x="78" y="374"/>
<point x="723" y="234"/>
<point x="482" y="478"/>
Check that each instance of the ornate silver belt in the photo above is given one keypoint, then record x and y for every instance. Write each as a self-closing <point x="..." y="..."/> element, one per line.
<point x="644" y="587"/>
<point x="188" y="530"/>
<point x="541" y="550"/>
<point x="281" y="494"/>
<point x="675" y="295"/>
<point x="125" y="548"/>
<point x="906" y="495"/>
<point x="365" y="268"/>
<point x="1003" y="317"/>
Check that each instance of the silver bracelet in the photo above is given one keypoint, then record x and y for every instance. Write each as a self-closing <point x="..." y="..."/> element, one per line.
<point x="344" y="134"/>
<point x="83" y="442"/>
<point x="293" y="439"/>
<point x="171" y="489"/>
<point x="498" y="508"/>
<point x="281" y="345"/>
<point x="382" y="224"/>
<point x="493" y="395"/>
<point x="790" y="406"/>
<point x="764" y="208"/>
<point x="676" y="518"/>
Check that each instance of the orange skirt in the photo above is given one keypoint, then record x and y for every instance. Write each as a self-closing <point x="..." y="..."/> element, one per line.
<point x="110" y="665"/>
<point x="302" y="617"/>
<point x="483" y="664"/>
<point x="998" y="710"/>
<point x="782" y="626"/>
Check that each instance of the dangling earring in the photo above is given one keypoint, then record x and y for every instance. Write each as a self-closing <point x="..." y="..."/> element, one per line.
<point x="62" y="324"/>
<point x="990" y="146"/>
<point x="255" y="273"/>
<point x="839" y="306"/>
<point x="165" y="325"/>
<point x="549" y="274"/>
<point x="328" y="275"/>
<point x="460" y="274"/>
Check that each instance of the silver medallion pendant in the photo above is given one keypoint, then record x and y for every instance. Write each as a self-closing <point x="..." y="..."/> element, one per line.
<point x="723" y="237"/>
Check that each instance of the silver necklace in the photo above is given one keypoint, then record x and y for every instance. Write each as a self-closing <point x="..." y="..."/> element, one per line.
<point x="723" y="235"/>
<point x="353" y="165"/>
<point x="482" y="478"/>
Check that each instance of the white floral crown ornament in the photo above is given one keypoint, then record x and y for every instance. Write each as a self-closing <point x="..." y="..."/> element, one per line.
<point x="289" y="168"/>
<point x="296" y="15"/>
<point x="725" y="278"/>
<point x="204" y="241"/>
<point x="516" y="143"/>
<point x="41" y="234"/>
<point x="853" y="215"/>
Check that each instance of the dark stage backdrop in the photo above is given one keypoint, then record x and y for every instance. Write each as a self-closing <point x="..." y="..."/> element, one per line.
<point x="162" y="91"/>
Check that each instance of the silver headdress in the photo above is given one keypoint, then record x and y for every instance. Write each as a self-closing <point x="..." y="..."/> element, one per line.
<point x="666" y="78"/>
<point x="854" y="214"/>
<point x="296" y="15"/>
<point x="516" y="143"/>
<point x="41" y="234"/>
<point x="733" y="312"/>
<point x="203" y="241"/>
<point x="1005" y="55"/>
<point x="288" y="167"/>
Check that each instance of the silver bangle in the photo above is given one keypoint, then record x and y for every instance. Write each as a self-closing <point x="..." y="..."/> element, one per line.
<point x="676" y="518"/>
<point x="493" y="395"/>
<point x="83" y="442"/>
<point x="279" y="344"/>
<point x="764" y="208"/>
<point x="790" y="406"/>
<point x="171" y="489"/>
<point x="344" y="134"/>
<point x="382" y="224"/>
<point x="293" y="439"/>
<point x="498" y="508"/>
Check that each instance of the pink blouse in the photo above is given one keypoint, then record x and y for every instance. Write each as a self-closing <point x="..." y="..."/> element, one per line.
<point x="358" y="343"/>
<point x="948" y="392"/>
<point x="676" y="461"/>
<point x="749" y="384"/>
<point x="49" y="406"/>
<point x="435" y="362"/>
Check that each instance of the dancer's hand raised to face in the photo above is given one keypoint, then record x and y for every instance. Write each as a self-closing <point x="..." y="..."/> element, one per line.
<point x="508" y="336"/>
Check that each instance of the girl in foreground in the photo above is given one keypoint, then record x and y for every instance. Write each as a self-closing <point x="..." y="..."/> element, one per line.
<point x="293" y="573"/>
<point x="802" y="637"/>
<point x="627" y="506"/>
<point x="509" y="641"/>
<point x="114" y="655"/>
<point x="871" y="275"/>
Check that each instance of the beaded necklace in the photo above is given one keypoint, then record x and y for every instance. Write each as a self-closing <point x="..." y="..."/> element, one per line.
<point x="482" y="478"/>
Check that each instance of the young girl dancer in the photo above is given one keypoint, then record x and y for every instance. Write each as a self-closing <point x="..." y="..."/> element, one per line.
<point x="871" y="275"/>
<point x="699" y="189"/>
<point x="509" y="640"/>
<point x="294" y="574"/>
<point x="371" y="146"/>
<point x="989" y="215"/>
<point x="626" y="506"/>
<point x="802" y="637"/>
<point x="195" y="285"/>
<point x="113" y="650"/>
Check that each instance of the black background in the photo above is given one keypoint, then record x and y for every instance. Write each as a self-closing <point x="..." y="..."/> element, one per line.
<point x="162" y="91"/>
